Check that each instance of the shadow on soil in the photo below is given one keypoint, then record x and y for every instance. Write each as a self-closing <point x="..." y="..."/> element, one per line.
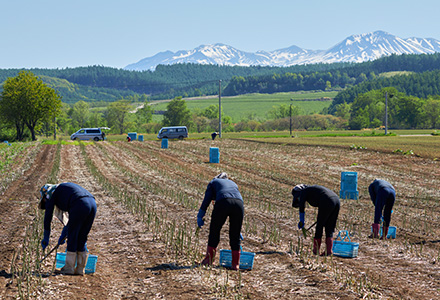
<point x="270" y="252"/>
<point x="5" y="274"/>
<point x="163" y="267"/>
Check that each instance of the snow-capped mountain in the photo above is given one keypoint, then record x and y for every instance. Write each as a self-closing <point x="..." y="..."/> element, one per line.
<point x="356" y="48"/>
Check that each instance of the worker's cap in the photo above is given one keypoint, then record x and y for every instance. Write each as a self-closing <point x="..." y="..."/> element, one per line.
<point x="296" y="192"/>
<point x="298" y="188"/>
<point x="222" y="175"/>
<point x="46" y="192"/>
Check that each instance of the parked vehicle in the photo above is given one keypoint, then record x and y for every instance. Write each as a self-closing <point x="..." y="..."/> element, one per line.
<point x="95" y="134"/>
<point x="173" y="132"/>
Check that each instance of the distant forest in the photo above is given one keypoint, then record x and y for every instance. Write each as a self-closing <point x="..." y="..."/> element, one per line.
<point x="99" y="83"/>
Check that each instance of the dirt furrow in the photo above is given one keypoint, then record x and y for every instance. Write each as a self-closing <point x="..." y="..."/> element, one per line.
<point x="17" y="209"/>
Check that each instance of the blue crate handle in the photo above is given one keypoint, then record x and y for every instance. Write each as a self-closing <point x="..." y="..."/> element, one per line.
<point x="346" y="236"/>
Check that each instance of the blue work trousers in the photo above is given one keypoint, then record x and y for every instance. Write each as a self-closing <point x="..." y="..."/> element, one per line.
<point x="81" y="216"/>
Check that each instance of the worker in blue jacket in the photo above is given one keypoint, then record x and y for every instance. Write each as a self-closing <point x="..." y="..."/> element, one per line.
<point x="75" y="207"/>
<point x="328" y="210"/>
<point x="383" y="195"/>
<point x="228" y="202"/>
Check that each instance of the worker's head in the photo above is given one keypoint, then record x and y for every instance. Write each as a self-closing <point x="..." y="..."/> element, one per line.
<point x="222" y="175"/>
<point x="296" y="191"/>
<point x="46" y="192"/>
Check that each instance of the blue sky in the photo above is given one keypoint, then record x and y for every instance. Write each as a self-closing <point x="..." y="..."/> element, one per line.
<point x="63" y="33"/>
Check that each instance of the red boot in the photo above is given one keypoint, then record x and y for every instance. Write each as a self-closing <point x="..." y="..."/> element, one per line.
<point x="210" y="255"/>
<point x="375" y="228"/>
<point x="316" y="245"/>
<point x="235" y="264"/>
<point x="385" y="233"/>
<point x="329" y="247"/>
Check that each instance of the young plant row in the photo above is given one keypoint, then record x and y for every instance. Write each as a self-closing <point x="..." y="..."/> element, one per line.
<point x="13" y="161"/>
<point x="178" y="238"/>
<point x="26" y="266"/>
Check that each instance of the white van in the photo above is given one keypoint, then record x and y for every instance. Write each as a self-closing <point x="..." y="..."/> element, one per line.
<point x="95" y="134"/>
<point x="173" y="132"/>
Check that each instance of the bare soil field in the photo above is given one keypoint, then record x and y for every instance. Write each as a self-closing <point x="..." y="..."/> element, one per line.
<point x="145" y="230"/>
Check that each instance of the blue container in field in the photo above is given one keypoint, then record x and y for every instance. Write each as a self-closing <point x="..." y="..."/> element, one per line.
<point x="140" y="138"/>
<point x="391" y="232"/>
<point x="132" y="135"/>
<point x="349" y="188"/>
<point x="164" y="144"/>
<point x="214" y="155"/>
<point x="246" y="259"/>
<point x="90" y="265"/>
<point x="343" y="246"/>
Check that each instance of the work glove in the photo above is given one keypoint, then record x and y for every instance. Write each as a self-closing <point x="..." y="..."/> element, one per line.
<point x="200" y="215"/>
<point x="63" y="236"/>
<point x="45" y="240"/>
<point x="301" y="220"/>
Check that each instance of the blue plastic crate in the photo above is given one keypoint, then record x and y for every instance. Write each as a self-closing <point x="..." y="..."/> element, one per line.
<point x="349" y="181"/>
<point x="132" y="135"/>
<point x="214" y="155"/>
<point x="164" y="144"/>
<point x="246" y="259"/>
<point x="349" y="188"/>
<point x="90" y="266"/>
<point x="391" y="232"/>
<point x="343" y="247"/>
<point x="140" y="138"/>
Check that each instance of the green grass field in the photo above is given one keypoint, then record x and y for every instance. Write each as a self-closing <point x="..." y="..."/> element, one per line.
<point x="241" y="107"/>
<point x="423" y="146"/>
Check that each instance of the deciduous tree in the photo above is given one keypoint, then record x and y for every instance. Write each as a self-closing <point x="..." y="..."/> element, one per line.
<point x="117" y="115"/>
<point x="26" y="100"/>
<point x="177" y="113"/>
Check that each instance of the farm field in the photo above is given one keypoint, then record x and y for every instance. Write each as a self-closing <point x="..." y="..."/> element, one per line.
<point x="148" y="198"/>
<point x="258" y="104"/>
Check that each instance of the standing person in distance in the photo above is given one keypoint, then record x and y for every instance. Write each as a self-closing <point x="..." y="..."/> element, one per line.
<point x="383" y="195"/>
<point x="328" y="210"/>
<point x="228" y="202"/>
<point x="75" y="207"/>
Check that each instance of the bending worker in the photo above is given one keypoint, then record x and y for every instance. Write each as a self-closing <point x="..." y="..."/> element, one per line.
<point x="383" y="195"/>
<point x="228" y="203"/>
<point x="328" y="210"/>
<point x="72" y="199"/>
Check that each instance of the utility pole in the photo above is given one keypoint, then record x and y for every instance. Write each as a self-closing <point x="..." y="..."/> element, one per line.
<point x="220" y="108"/>
<point x="291" y="119"/>
<point x="386" y="113"/>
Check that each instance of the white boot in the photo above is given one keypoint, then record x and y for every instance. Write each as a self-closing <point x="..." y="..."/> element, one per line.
<point x="81" y="262"/>
<point x="69" y="267"/>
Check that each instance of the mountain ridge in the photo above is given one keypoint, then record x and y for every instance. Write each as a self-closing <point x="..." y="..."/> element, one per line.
<point x="355" y="48"/>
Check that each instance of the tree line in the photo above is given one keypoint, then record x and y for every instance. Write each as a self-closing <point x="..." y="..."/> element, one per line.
<point x="421" y="85"/>
<point x="99" y="83"/>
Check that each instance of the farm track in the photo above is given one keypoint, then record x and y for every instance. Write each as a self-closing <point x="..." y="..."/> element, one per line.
<point x="137" y="262"/>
